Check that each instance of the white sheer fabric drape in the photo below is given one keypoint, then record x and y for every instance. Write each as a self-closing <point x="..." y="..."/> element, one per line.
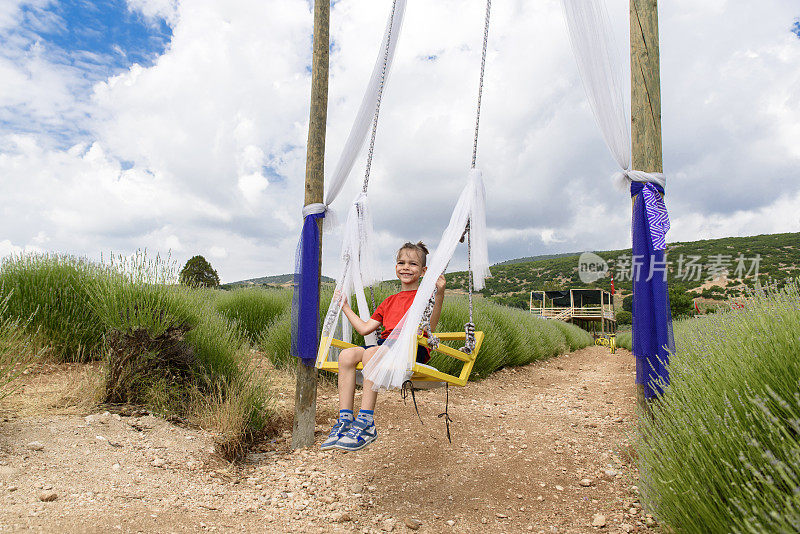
<point x="355" y="274"/>
<point x="366" y="112"/>
<point x="358" y="268"/>
<point x="361" y="124"/>
<point x="392" y="364"/>
<point x="600" y="66"/>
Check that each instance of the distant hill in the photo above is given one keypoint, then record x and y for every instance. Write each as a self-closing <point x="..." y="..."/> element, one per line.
<point x="694" y="267"/>
<point x="275" y="280"/>
<point x="537" y="258"/>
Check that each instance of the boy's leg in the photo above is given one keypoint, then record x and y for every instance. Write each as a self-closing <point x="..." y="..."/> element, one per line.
<point x="348" y="360"/>
<point x="369" y="397"/>
<point x="362" y="432"/>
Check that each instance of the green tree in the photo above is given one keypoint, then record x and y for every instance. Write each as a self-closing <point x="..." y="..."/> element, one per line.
<point x="627" y="303"/>
<point x="198" y="273"/>
<point x="680" y="303"/>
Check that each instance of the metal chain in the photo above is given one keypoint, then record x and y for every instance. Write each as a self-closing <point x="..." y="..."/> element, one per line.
<point x="480" y="87"/>
<point x="469" y="268"/>
<point x="425" y="325"/>
<point x="375" y="127"/>
<point x="469" y="328"/>
<point x="380" y="96"/>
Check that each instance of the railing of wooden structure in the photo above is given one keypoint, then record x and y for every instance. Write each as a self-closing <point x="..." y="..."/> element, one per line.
<point x="604" y="310"/>
<point x="556" y="312"/>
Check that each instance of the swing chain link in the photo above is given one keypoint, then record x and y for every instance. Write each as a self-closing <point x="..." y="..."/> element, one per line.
<point x="469" y="343"/>
<point x="425" y="325"/>
<point x="480" y="86"/>
<point x="469" y="327"/>
<point x="380" y="96"/>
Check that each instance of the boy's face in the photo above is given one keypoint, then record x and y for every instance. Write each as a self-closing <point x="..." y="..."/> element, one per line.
<point x="409" y="267"/>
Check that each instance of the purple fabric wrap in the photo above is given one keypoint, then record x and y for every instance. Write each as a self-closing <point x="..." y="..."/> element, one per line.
<point x="305" y="300"/>
<point x="652" y="320"/>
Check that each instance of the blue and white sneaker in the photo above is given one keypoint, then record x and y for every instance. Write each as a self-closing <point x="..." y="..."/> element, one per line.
<point x="340" y="428"/>
<point x="359" y="436"/>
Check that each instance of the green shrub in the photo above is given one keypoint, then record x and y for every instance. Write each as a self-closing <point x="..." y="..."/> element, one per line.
<point x="722" y="451"/>
<point x="164" y="345"/>
<point x="48" y="294"/>
<point x="276" y="341"/>
<point x="625" y="340"/>
<point x="253" y="310"/>
<point x="575" y="337"/>
<point x="549" y="339"/>
<point x="627" y="303"/>
<point x="125" y="304"/>
<point x="624" y="317"/>
<point x="16" y="351"/>
<point x="680" y="303"/>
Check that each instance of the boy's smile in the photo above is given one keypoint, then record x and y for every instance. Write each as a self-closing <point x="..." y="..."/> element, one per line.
<point x="409" y="269"/>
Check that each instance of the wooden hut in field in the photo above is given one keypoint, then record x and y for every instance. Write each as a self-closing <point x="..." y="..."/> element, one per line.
<point x="591" y="309"/>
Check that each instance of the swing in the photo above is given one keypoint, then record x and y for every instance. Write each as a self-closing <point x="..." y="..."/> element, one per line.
<point x="422" y="376"/>
<point x="423" y="372"/>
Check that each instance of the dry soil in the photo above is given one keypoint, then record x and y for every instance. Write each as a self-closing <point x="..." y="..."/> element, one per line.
<point x="542" y="448"/>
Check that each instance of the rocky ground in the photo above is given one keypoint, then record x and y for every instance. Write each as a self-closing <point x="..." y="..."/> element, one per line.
<point x="542" y="448"/>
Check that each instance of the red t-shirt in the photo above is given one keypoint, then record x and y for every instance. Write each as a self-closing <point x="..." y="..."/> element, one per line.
<point x="391" y="311"/>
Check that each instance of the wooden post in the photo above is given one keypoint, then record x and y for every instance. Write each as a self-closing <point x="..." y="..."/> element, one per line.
<point x="305" y="393"/>
<point x="645" y="103"/>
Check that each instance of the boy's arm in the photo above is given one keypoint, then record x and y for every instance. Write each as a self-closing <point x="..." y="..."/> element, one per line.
<point x="437" y="304"/>
<point x="360" y="326"/>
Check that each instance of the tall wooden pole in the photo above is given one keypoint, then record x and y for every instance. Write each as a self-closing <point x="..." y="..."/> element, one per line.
<point x="305" y="394"/>
<point x="645" y="103"/>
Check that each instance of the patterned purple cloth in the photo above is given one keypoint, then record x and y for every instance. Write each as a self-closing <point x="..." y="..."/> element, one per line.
<point x="653" y="341"/>
<point x="657" y="217"/>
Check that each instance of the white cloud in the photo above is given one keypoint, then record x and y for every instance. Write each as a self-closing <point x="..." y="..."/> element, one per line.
<point x="217" y="252"/>
<point x="156" y="9"/>
<point x="10" y="10"/>
<point x="782" y="215"/>
<point x="204" y="151"/>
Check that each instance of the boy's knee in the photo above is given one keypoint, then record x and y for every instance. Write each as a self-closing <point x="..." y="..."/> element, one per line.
<point x="349" y="358"/>
<point x="369" y="353"/>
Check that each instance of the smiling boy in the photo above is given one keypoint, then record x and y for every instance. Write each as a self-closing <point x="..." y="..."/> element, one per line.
<point x="353" y="434"/>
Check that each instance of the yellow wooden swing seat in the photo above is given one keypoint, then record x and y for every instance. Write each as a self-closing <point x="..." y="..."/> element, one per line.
<point x="421" y="372"/>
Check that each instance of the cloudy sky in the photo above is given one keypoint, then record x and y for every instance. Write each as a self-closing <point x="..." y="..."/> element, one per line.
<point x="180" y="126"/>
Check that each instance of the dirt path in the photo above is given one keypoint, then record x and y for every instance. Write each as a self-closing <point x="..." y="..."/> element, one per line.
<point x="542" y="448"/>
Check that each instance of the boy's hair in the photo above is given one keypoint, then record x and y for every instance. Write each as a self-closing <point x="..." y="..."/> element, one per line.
<point x="418" y="247"/>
